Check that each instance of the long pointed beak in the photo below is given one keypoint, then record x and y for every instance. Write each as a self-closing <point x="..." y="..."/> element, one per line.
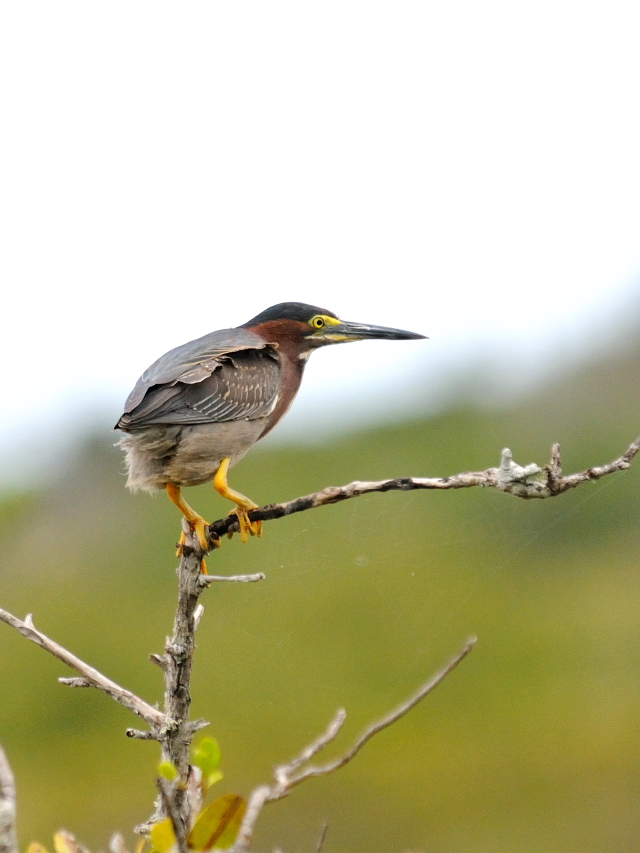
<point x="346" y="331"/>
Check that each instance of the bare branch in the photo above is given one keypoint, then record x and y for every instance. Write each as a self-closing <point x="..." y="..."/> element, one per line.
<point x="284" y="772"/>
<point x="177" y="662"/>
<point x="172" y="809"/>
<point x="138" y="735"/>
<point x="531" y="481"/>
<point x="386" y="721"/>
<point x="286" y="776"/>
<point x="323" y="835"/>
<point x="89" y="676"/>
<point x="179" y="652"/>
<point x="209" y="579"/>
<point x="8" y="838"/>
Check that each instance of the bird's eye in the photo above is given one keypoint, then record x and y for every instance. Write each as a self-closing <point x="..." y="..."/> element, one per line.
<point x="317" y="322"/>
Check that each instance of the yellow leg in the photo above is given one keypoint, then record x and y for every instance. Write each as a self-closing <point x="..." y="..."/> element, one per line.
<point x="197" y="522"/>
<point x="243" y="505"/>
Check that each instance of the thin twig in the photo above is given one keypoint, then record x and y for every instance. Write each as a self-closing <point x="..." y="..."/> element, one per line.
<point x="286" y="776"/>
<point x="284" y="772"/>
<point x="89" y="676"/>
<point x="8" y="838"/>
<point x="209" y="579"/>
<point x="531" y="481"/>
<point x="383" y="723"/>
<point x="323" y="835"/>
<point x="139" y="735"/>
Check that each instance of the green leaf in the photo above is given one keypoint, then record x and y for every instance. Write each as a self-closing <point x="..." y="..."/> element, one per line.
<point x="218" y="824"/>
<point x="214" y="777"/>
<point x="163" y="837"/>
<point x="167" y="770"/>
<point x="207" y="756"/>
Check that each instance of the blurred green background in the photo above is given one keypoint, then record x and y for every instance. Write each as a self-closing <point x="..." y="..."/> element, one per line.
<point x="532" y="744"/>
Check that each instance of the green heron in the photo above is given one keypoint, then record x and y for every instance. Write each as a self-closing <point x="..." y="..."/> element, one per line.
<point x="200" y="407"/>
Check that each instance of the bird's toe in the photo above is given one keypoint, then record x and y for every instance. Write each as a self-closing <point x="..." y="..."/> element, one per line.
<point x="247" y="527"/>
<point x="200" y="527"/>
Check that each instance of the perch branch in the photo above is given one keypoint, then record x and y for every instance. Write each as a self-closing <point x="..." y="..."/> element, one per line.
<point x="531" y="481"/>
<point x="90" y="677"/>
<point x="287" y="776"/>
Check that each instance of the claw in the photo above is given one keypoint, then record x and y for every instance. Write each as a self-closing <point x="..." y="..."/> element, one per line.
<point x="181" y="543"/>
<point x="198" y="526"/>
<point x="247" y="527"/>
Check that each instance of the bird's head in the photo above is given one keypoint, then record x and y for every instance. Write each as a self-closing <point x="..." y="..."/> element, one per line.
<point x="303" y="328"/>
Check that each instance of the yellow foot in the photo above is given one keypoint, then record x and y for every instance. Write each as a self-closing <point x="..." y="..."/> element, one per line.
<point x="243" y="505"/>
<point x="247" y="527"/>
<point x="196" y="522"/>
<point x="198" y="525"/>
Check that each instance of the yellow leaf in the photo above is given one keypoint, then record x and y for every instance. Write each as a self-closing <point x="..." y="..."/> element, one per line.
<point x="64" y="842"/>
<point x="36" y="847"/>
<point x="163" y="837"/>
<point x="218" y="824"/>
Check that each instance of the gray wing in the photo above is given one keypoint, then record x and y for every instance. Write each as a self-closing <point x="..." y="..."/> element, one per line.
<point x="238" y="385"/>
<point x="192" y="362"/>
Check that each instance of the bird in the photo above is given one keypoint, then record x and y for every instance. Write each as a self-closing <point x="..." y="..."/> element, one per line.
<point x="198" y="409"/>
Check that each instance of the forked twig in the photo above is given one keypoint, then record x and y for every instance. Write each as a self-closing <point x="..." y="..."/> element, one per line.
<point x="90" y="677"/>
<point x="287" y="776"/>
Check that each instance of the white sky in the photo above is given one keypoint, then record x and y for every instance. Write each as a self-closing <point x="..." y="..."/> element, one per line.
<point x="466" y="170"/>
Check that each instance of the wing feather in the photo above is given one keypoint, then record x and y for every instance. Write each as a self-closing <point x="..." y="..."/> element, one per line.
<point x="241" y="385"/>
<point x="192" y="362"/>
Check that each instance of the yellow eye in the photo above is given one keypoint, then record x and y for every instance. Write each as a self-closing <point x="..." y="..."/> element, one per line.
<point x="317" y="322"/>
